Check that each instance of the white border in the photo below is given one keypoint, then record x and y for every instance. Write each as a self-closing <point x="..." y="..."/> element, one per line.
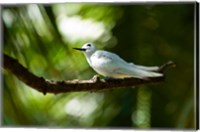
<point x="78" y="1"/>
<point x="197" y="125"/>
<point x="1" y="61"/>
<point x="85" y="130"/>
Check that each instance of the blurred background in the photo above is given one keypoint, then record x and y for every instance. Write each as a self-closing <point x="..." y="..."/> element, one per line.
<point x="41" y="37"/>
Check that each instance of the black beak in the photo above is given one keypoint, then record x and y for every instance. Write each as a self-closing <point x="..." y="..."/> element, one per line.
<point x="81" y="49"/>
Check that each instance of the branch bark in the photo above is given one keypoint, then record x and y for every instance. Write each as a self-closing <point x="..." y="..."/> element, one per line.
<point x="95" y="84"/>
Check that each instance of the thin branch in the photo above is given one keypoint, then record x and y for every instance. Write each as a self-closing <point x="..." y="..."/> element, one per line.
<point x="95" y="84"/>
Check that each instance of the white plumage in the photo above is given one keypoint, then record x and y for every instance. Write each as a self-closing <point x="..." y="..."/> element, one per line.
<point x="111" y="65"/>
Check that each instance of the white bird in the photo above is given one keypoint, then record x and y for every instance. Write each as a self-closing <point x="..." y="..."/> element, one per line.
<point x="111" y="65"/>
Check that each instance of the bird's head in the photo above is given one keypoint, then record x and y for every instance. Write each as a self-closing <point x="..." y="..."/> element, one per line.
<point x="87" y="48"/>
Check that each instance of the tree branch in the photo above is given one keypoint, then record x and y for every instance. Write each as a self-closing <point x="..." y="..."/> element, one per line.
<point x="95" y="84"/>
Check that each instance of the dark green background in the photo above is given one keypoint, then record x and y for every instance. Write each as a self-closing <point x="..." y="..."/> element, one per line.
<point x="146" y="34"/>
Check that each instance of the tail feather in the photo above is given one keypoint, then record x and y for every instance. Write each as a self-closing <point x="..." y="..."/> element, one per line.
<point x="147" y="68"/>
<point x="144" y="73"/>
<point x="150" y="68"/>
<point x="133" y="71"/>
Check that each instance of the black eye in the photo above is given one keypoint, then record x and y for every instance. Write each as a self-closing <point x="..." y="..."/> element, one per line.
<point x="89" y="45"/>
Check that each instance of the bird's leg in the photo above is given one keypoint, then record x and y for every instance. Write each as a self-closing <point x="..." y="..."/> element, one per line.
<point x="96" y="78"/>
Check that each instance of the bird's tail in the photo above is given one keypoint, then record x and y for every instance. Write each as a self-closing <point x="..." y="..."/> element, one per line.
<point x="143" y="71"/>
<point x="142" y="74"/>
<point x="147" y="68"/>
<point x="151" y="74"/>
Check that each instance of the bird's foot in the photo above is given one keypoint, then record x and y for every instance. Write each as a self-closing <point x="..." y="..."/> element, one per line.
<point x="96" y="78"/>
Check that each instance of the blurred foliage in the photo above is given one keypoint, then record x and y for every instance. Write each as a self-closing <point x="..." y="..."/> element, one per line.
<point x="41" y="37"/>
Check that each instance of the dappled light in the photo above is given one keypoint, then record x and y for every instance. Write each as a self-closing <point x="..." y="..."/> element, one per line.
<point x="74" y="29"/>
<point x="42" y="38"/>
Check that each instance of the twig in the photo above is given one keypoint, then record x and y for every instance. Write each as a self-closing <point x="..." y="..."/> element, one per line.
<point x="94" y="84"/>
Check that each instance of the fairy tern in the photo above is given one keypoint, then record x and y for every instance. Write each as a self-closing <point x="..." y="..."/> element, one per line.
<point x="111" y="65"/>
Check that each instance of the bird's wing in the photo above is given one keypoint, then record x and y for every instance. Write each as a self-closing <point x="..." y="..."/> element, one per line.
<point x="122" y="67"/>
<point x="106" y="61"/>
<point x="108" y="57"/>
<point x="113" y="63"/>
